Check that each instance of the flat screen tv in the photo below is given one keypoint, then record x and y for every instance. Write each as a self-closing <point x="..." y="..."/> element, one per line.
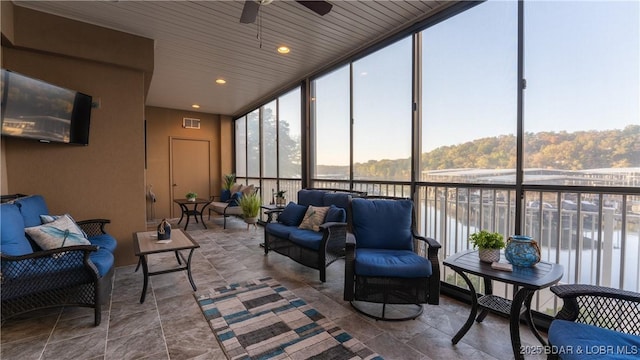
<point x="37" y="110"/>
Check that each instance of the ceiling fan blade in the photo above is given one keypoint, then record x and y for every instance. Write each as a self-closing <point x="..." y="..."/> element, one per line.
<point x="319" y="7"/>
<point x="249" y="12"/>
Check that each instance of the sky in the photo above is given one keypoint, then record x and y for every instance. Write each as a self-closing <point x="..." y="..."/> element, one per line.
<point x="581" y="68"/>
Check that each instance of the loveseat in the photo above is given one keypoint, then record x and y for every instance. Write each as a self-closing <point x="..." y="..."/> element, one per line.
<point x="51" y="260"/>
<point x="228" y="203"/>
<point x="313" y="231"/>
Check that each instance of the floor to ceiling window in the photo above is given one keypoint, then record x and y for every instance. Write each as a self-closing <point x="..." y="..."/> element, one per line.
<point x="469" y="96"/>
<point x="331" y="125"/>
<point x="382" y="108"/>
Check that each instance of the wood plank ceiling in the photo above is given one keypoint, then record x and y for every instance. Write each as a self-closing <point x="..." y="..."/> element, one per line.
<point x="200" y="41"/>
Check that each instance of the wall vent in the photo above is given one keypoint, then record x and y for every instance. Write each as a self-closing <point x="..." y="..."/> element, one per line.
<point x="190" y="123"/>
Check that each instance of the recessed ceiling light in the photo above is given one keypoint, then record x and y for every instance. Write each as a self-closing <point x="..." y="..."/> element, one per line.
<point x="195" y="106"/>
<point x="221" y="81"/>
<point x="283" y="50"/>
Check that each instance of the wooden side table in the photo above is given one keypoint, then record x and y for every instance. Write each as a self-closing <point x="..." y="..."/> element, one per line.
<point x="146" y="243"/>
<point x="526" y="280"/>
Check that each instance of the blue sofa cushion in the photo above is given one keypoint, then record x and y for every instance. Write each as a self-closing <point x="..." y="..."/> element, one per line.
<point x="382" y="224"/>
<point x="280" y="230"/>
<point x="104" y="241"/>
<point x="31" y="207"/>
<point x="336" y="214"/>
<point x="103" y="260"/>
<point x="306" y="238"/>
<point x="391" y="263"/>
<point x="338" y="199"/>
<point x="311" y="197"/>
<point x="292" y="214"/>
<point x="564" y="334"/>
<point x="13" y="241"/>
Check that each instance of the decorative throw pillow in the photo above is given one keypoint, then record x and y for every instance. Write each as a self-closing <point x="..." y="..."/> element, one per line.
<point x="235" y="199"/>
<point x="235" y="188"/>
<point x="248" y="190"/>
<point x="335" y="214"/>
<point x="49" y="218"/>
<point x="292" y="214"/>
<point x="314" y="217"/>
<point x="58" y="233"/>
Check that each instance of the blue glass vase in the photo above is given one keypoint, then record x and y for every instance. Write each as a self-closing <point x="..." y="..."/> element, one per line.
<point x="522" y="251"/>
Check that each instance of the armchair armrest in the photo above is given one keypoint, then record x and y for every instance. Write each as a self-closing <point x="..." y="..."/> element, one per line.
<point x="601" y="306"/>
<point x="93" y="227"/>
<point x="349" y="266"/>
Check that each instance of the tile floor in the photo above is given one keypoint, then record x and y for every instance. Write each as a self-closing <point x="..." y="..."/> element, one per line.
<point x="169" y="324"/>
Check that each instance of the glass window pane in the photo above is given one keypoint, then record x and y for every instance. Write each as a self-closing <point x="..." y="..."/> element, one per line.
<point x="253" y="144"/>
<point x="330" y="114"/>
<point x="289" y="135"/>
<point x="469" y="96"/>
<point x="269" y="150"/>
<point x="382" y="114"/>
<point x="582" y="117"/>
<point x="241" y="147"/>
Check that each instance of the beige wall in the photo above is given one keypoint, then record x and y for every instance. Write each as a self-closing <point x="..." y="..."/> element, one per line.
<point x="162" y="125"/>
<point x="106" y="178"/>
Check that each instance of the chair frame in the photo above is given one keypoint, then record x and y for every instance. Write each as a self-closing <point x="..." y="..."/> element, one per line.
<point x="390" y="290"/>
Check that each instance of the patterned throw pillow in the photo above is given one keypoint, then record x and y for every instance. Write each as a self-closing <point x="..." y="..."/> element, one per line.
<point x="61" y="232"/>
<point x="314" y="217"/>
<point x="49" y="218"/>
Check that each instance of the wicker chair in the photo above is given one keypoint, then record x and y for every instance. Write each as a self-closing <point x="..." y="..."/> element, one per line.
<point x="387" y="262"/>
<point x="596" y="319"/>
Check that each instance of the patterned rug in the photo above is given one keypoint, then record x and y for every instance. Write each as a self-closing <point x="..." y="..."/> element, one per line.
<point x="261" y="319"/>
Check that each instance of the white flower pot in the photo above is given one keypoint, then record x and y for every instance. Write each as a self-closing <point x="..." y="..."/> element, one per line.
<point x="489" y="255"/>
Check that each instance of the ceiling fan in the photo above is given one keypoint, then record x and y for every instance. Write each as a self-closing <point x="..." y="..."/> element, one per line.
<point x="251" y="8"/>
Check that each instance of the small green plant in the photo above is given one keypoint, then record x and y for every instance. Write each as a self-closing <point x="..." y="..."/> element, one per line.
<point x="191" y="195"/>
<point x="250" y="205"/>
<point x="487" y="240"/>
<point x="281" y="193"/>
<point x="227" y="181"/>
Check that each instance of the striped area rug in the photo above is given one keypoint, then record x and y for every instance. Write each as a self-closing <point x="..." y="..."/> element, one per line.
<point x="261" y="319"/>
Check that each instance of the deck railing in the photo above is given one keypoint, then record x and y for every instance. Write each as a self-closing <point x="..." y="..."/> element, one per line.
<point x="597" y="241"/>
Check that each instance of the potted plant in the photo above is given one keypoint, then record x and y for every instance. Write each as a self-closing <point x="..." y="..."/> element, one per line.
<point x="250" y="205"/>
<point x="489" y="245"/>
<point x="280" y="200"/>
<point x="191" y="196"/>
<point x="227" y="182"/>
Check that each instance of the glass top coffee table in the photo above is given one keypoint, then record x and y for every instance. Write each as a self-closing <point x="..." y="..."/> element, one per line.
<point x="526" y="280"/>
<point x="146" y="243"/>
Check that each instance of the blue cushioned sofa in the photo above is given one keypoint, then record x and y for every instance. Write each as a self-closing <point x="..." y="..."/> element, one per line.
<point x="33" y="278"/>
<point x="315" y="249"/>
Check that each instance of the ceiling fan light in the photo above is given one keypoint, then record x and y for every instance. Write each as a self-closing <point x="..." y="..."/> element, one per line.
<point x="283" y="50"/>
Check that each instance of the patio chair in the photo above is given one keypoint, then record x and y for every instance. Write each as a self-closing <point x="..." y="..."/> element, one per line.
<point x="601" y="321"/>
<point x="390" y="270"/>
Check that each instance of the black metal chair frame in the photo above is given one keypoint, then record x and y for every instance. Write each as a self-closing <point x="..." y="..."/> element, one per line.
<point x="396" y="291"/>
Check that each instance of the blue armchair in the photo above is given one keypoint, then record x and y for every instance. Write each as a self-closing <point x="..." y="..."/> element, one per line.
<point x="387" y="262"/>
